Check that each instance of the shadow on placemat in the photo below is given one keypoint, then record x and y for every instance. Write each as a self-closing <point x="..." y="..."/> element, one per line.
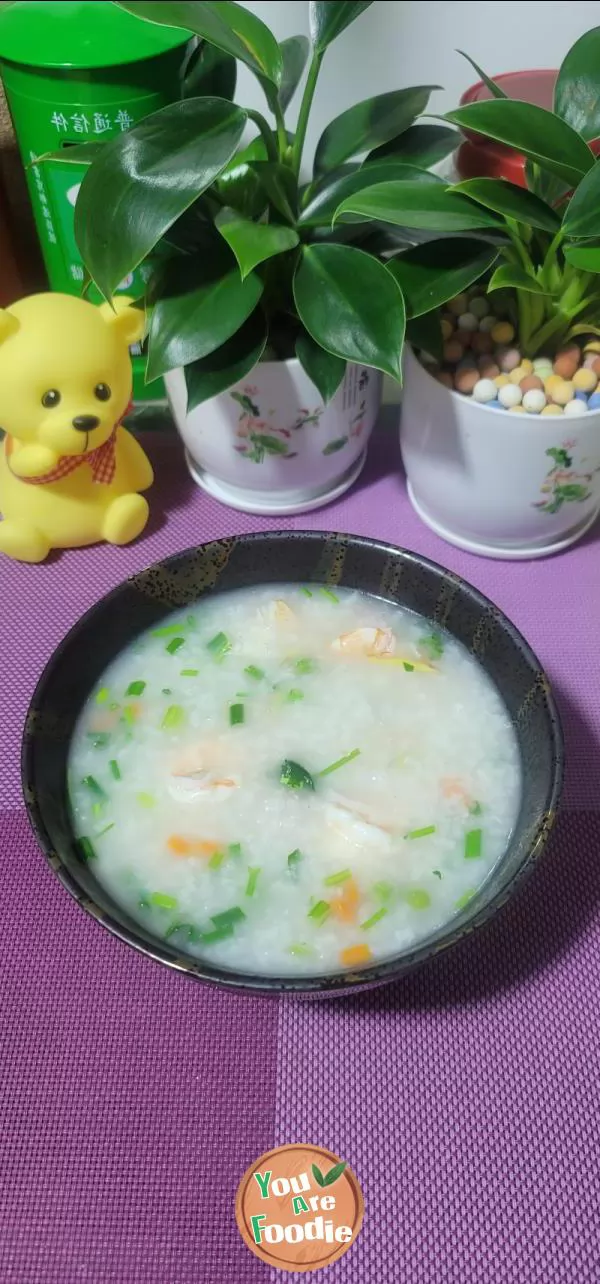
<point x="542" y="923"/>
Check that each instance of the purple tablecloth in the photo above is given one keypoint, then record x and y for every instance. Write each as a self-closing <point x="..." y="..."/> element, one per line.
<point x="466" y="1098"/>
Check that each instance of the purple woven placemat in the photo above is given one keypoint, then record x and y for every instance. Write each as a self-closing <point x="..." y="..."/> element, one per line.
<point x="466" y="1098"/>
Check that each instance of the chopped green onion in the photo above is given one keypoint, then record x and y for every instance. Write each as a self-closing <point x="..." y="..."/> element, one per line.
<point x="113" y="706"/>
<point x="295" y="776"/>
<point x="433" y="644"/>
<point x="300" y="948"/>
<point x="465" y="898"/>
<point x="216" y="860"/>
<point x="418" y="898"/>
<point x="98" y="738"/>
<point x="235" y="849"/>
<point x="473" y="844"/>
<point x="227" y="917"/>
<point x="105" y="830"/>
<point x="219" y="645"/>
<point x="294" y="695"/>
<point x="192" y="932"/>
<point x="174" y="645"/>
<point x="236" y="715"/>
<point x="254" y="672"/>
<point x="166" y="691"/>
<point x="162" y="900"/>
<point x="165" y="630"/>
<point x="253" y="873"/>
<point x="370" y="922"/>
<point x="97" y="809"/>
<point x="475" y="809"/>
<point x="306" y="591"/>
<point x="384" y="891"/>
<point x="305" y="666"/>
<point x="409" y="667"/>
<point x="173" y="718"/>
<point x="115" y="770"/>
<point x="86" y="848"/>
<point x="128" y="714"/>
<point x="320" y="911"/>
<point x="421" y="833"/>
<point x="146" y="800"/>
<point x="219" y="934"/>
<point x="189" y="673"/>
<point x="102" y="695"/>
<point x="437" y="873"/>
<point x="92" y="784"/>
<point x="136" y="688"/>
<point x="328" y="593"/>
<point x="340" y="762"/>
<point x="294" y="858"/>
<point x="341" y="877"/>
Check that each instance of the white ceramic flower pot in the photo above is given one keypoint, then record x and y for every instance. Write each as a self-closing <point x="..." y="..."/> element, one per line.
<point x="269" y="445"/>
<point x="494" y="483"/>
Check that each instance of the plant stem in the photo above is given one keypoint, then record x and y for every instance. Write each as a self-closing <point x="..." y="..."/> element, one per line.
<point x="282" y="141"/>
<point x="551" y="256"/>
<point x="304" y="113"/>
<point x="266" y="133"/>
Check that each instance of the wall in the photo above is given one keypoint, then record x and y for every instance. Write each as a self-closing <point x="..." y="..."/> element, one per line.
<point x="410" y="42"/>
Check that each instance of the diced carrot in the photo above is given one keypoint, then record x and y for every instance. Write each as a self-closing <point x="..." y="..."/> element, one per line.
<point x="179" y="846"/>
<point x="355" y="955"/>
<point x="345" y="905"/>
<point x="193" y="847"/>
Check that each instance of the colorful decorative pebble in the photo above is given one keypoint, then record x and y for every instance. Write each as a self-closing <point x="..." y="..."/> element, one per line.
<point x="534" y="401"/>
<point x="574" y="408"/>
<point x="485" y="390"/>
<point x="510" y="395"/>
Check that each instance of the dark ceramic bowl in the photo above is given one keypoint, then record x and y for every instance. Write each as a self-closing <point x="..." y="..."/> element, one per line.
<point x="348" y="560"/>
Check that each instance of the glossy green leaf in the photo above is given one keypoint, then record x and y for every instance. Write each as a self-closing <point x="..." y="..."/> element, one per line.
<point x="227" y="365"/>
<point x="514" y="202"/>
<point x="429" y="275"/>
<point x="232" y="28"/>
<point x="252" y="243"/>
<point x="351" y="306"/>
<point x="547" y="186"/>
<point x="294" y="53"/>
<point x="144" y="179"/>
<point x="577" y="90"/>
<point x="328" y="18"/>
<point x="209" y="73"/>
<point x="585" y="257"/>
<point x="279" y="185"/>
<point x="537" y="133"/>
<point x="325" y="369"/>
<point x="510" y="276"/>
<point x="582" y="215"/>
<point x="239" y="185"/>
<point x="425" y="332"/>
<point x="201" y="303"/>
<point x="422" y="205"/>
<point x="420" y="145"/>
<point x="369" y="124"/>
<point x="495" y="89"/>
<point x="333" y="190"/>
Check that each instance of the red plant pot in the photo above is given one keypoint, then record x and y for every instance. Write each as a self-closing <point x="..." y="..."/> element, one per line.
<point x="480" y="157"/>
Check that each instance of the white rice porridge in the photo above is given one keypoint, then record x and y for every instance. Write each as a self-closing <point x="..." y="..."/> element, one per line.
<point x="290" y="781"/>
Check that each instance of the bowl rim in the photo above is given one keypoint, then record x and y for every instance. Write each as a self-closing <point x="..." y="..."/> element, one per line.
<point x="330" y="984"/>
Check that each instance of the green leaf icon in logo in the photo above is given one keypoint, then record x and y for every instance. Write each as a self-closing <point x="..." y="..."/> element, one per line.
<point x="318" y="1175"/>
<point x="330" y="1177"/>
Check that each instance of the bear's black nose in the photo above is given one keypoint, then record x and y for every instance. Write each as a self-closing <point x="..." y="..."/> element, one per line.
<point x="85" y="423"/>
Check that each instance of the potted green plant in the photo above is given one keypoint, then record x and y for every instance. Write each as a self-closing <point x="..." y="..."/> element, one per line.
<point x="272" y="329"/>
<point x="505" y="292"/>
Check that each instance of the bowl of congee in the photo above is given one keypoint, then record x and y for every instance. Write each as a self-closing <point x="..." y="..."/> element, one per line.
<point x="292" y="763"/>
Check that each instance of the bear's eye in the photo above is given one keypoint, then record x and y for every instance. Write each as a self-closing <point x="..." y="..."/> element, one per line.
<point x="50" y="398"/>
<point x="102" y="392"/>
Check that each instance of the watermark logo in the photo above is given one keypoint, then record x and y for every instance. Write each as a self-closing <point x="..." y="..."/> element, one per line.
<point x="299" y="1207"/>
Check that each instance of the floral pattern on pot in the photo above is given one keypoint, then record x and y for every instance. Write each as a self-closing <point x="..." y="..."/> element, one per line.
<point x="260" y="437"/>
<point x="563" y="483"/>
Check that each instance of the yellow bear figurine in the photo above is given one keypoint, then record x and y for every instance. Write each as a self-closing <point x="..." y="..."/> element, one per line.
<point x="69" y="471"/>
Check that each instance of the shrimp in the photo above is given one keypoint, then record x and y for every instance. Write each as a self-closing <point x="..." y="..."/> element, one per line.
<point x="354" y="822"/>
<point x="366" y="641"/>
<point x="199" y="773"/>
